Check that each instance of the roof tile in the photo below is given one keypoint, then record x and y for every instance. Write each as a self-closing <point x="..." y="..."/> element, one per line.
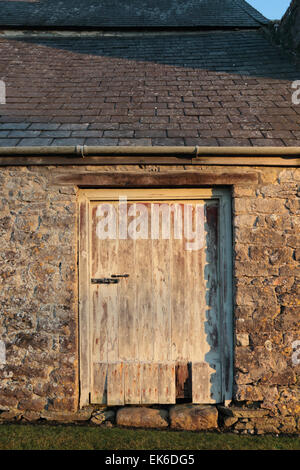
<point x="133" y="14"/>
<point x="121" y="90"/>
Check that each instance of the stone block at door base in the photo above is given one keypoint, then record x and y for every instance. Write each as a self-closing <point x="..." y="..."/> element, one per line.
<point x="193" y="417"/>
<point x="141" y="417"/>
<point x="63" y="417"/>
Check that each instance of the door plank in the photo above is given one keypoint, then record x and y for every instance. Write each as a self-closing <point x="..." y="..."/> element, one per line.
<point x="212" y="312"/>
<point x="105" y="311"/>
<point x="128" y="315"/>
<point x="84" y="302"/>
<point x="99" y="260"/>
<point x="166" y="383"/>
<point x="144" y="297"/>
<point x="100" y="307"/>
<point x="161" y="294"/>
<point x="183" y="380"/>
<point x="115" y="384"/>
<point x="149" y="380"/>
<point x="111" y="294"/>
<point x="99" y="389"/>
<point x="132" y="383"/>
<point x="206" y="382"/>
<point x="201" y="382"/>
<point x="179" y="291"/>
<point x="196" y="302"/>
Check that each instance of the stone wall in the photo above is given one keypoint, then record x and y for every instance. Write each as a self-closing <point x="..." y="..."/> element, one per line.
<point x="267" y="290"/>
<point x="38" y="295"/>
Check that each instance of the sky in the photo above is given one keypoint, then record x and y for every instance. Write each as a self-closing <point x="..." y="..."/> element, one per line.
<point x="271" y="9"/>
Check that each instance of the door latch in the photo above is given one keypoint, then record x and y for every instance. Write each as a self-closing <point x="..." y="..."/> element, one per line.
<point x="105" y="280"/>
<point x="119" y="275"/>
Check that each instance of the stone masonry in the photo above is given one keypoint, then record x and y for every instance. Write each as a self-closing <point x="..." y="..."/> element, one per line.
<point x="39" y="308"/>
<point x="38" y="292"/>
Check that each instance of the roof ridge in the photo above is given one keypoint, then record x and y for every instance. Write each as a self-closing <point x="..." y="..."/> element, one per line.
<point x="251" y="11"/>
<point x="136" y="13"/>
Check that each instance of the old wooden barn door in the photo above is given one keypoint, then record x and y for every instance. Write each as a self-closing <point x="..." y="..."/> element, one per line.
<point x="155" y="307"/>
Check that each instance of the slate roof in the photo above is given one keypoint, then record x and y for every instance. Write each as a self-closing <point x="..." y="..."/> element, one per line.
<point x="129" y="13"/>
<point x="230" y="87"/>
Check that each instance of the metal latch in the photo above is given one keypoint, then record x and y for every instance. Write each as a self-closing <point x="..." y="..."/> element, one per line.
<point x="105" y="280"/>
<point x="119" y="275"/>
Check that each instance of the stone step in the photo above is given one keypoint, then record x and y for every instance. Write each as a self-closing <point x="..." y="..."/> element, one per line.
<point x="193" y="417"/>
<point x="142" y="417"/>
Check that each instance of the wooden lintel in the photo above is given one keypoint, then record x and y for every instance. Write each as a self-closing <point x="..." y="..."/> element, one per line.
<point x="171" y="179"/>
<point x="152" y="160"/>
<point x="101" y="161"/>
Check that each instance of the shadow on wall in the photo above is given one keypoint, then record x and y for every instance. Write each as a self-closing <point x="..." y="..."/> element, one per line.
<point x="238" y="52"/>
<point x="123" y="82"/>
<point x="212" y="313"/>
<point x="219" y="314"/>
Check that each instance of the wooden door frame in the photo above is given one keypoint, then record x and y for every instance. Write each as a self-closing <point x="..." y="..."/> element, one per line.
<point x="223" y="195"/>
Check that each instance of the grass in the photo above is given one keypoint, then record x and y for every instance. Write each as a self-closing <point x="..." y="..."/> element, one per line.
<point x="62" y="437"/>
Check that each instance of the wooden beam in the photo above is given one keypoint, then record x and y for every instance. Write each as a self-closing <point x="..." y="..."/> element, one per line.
<point x="132" y="180"/>
<point x="289" y="161"/>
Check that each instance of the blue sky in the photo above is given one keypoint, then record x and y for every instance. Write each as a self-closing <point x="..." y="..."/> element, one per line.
<point x="272" y="9"/>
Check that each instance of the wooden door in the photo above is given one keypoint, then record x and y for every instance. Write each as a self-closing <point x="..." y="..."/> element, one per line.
<point x="152" y="289"/>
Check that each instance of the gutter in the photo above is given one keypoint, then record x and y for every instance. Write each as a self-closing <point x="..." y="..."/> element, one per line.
<point x="82" y="151"/>
<point x="81" y="155"/>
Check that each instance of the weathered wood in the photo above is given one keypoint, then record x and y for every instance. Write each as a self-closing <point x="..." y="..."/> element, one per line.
<point x="98" y="333"/>
<point x="166" y="308"/>
<point x="132" y="383"/>
<point x="197" y="284"/>
<point x="166" y="383"/>
<point x="57" y="160"/>
<point x="153" y="194"/>
<point x="128" y="315"/>
<point x="206" y="382"/>
<point x="149" y="383"/>
<point x="99" y="383"/>
<point x="180" y="296"/>
<point x="143" y="298"/>
<point x="130" y="179"/>
<point x="212" y="351"/>
<point x="105" y="315"/>
<point x="99" y="306"/>
<point x="84" y="317"/>
<point x="115" y="384"/>
<point x="225" y="281"/>
<point x="183" y="378"/>
<point x="112" y="319"/>
<point x="163" y="160"/>
<point x="201" y="386"/>
<point x="161" y="297"/>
